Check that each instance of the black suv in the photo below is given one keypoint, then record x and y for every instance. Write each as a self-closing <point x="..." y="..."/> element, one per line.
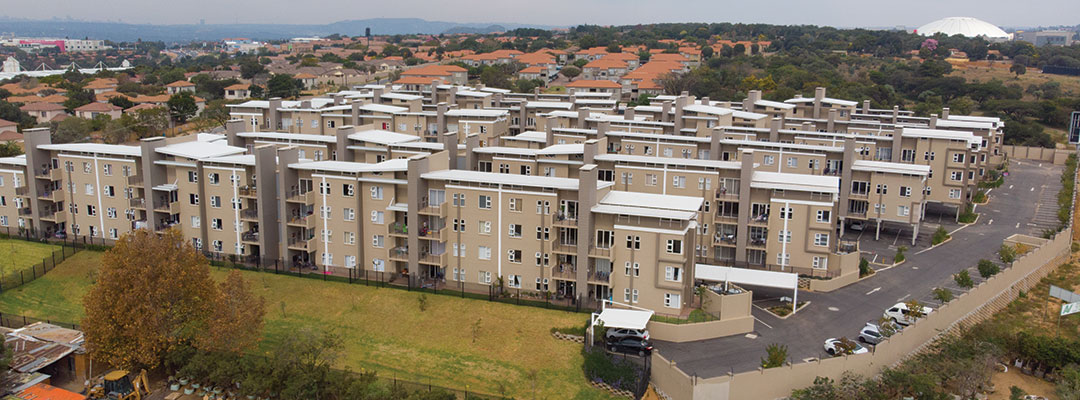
<point x="631" y="345"/>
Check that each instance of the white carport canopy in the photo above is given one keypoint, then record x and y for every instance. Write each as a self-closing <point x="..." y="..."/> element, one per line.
<point x="629" y="319"/>
<point x="750" y="277"/>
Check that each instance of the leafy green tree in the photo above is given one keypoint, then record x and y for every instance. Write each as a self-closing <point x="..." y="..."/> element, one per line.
<point x="283" y="86"/>
<point x="987" y="268"/>
<point x="71" y="130"/>
<point x="1006" y="253"/>
<point x="1018" y="69"/>
<point x="943" y="295"/>
<point x="1068" y="388"/>
<point x="122" y="102"/>
<point x="570" y="71"/>
<point x="10" y="149"/>
<point x="11" y="112"/>
<point x="78" y="97"/>
<point x="182" y="106"/>
<point x="775" y="355"/>
<point x="963" y="279"/>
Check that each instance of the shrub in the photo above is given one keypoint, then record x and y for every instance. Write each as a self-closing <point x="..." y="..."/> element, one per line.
<point x="864" y="268"/>
<point x="601" y="367"/>
<point x="987" y="268"/>
<point x="422" y="302"/>
<point x="1007" y="254"/>
<point x="963" y="279"/>
<point x="900" y="257"/>
<point x="940" y="236"/>
<point x="979" y="197"/>
<point x="1016" y="393"/>
<point x="943" y="295"/>
<point x="775" y="355"/>
<point x="968" y="216"/>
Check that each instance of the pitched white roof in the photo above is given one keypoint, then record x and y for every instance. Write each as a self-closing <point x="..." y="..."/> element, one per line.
<point x="951" y="123"/>
<point x="548" y="104"/>
<point x="940" y="134"/>
<point x="703" y="109"/>
<point x="401" y="96"/>
<point x="383" y="108"/>
<point x="382" y="137"/>
<point x="397" y="164"/>
<point x="974" y="118"/>
<point x="470" y="93"/>
<point x="507" y="179"/>
<point x="17" y="160"/>
<point x="795" y="182"/>
<point x="241" y="159"/>
<point x="200" y="150"/>
<point x="115" y="149"/>
<point x="829" y="100"/>
<point x="288" y="136"/>
<point x="569" y="148"/>
<point x="505" y="150"/>
<point x="649" y="205"/>
<point x="692" y="162"/>
<point x="530" y="136"/>
<point x="773" y="104"/>
<point x="891" y="167"/>
<point x="476" y="113"/>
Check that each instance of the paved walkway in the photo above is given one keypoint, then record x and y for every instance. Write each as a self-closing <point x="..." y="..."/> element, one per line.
<point x="1021" y="205"/>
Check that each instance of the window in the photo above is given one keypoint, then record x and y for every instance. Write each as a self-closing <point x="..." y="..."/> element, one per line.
<point x="783" y="258"/>
<point x="704" y="183"/>
<point x="111" y="212"/>
<point x="504" y="168"/>
<point x="543" y="233"/>
<point x="86" y="167"/>
<point x="513" y="281"/>
<point x="824" y="216"/>
<point x="484" y="277"/>
<point x="485" y="227"/>
<point x="907" y="156"/>
<point x="328" y="258"/>
<point x="324" y="188"/>
<point x="678" y="181"/>
<point x="89" y="189"/>
<point x="792" y="162"/>
<point x="350" y="214"/>
<point x="768" y="160"/>
<point x="109" y="191"/>
<point x="378" y="265"/>
<point x="376" y="192"/>
<point x="905" y="191"/>
<point x="903" y="211"/>
<point x="786" y="213"/>
<point x="928" y="156"/>
<point x="514" y="256"/>
<point x="485" y="202"/>
<point x="956" y="175"/>
<point x="459" y="250"/>
<point x="326" y="212"/>
<point x="958" y="157"/>
<point x="483" y="166"/>
<point x="327" y="235"/>
<point x="376" y="240"/>
<point x="882" y="189"/>
<point x="192" y="176"/>
<point x="605" y="175"/>
<point x="91" y="211"/>
<point x="514" y="230"/>
<point x="459" y="199"/>
<point x="627" y="178"/>
<point x="377" y="217"/>
<point x="672" y="300"/>
<point x="650" y="179"/>
<point x="672" y="274"/>
<point x="215" y="223"/>
<point x="196" y="221"/>
<point x="214" y="178"/>
<point x="674" y="246"/>
<point x="106" y="169"/>
<point x="215" y="201"/>
<point x="633" y="242"/>
<point x="217" y="245"/>
<point x="820" y="262"/>
<point x="821" y="239"/>
<point x="483" y="252"/>
<point x="636" y="267"/>
<point x="784" y="236"/>
<point x="350" y="261"/>
<point x="526" y="170"/>
<point x="635" y="298"/>
<point x="515" y="204"/>
<point x="605" y="239"/>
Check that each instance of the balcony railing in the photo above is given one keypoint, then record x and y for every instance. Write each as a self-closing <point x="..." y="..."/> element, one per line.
<point x="50" y="195"/>
<point x="599" y="277"/>
<point x="171" y="207"/>
<point x="438" y="209"/>
<point x="134" y="180"/>
<point x="432" y="234"/>
<point x="22" y="191"/>
<point x="726" y="238"/>
<point x="724" y="192"/>
<point x="46" y="173"/>
<point x="400" y="253"/>
<point x="602" y="252"/>
<point x="247" y="191"/>
<point x="167" y="225"/>
<point x="564" y="271"/>
<point x="25" y="211"/>
<point x="300" y="196"/>
<point x="250" y="236"/>
<point x="565" y="220"/>
<point x="251" y="213"/>
<point x="434" y="259"/>
<point x="137" y="203"/>
<point x="569" y="248"/>
<point x="398" y="229"/>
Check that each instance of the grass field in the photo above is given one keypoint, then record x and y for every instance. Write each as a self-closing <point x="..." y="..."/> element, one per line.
<point x="984" y="72"/>
<point x="383" y="330"/>
<point x="16" y="255"/>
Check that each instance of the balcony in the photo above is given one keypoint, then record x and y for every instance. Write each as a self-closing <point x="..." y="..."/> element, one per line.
<point x="302" y="221"/>
<point x="725" y="193"/>
<point x="762" y="219"/>
<point x="859" y="195"/>
<point x="300" y="196"/>
<point x="47" y="173"/>
<point x="397" y="229"/>
<point x="431" y="234"/>
<point x="728" y="217"/>
<point x="247" y="191"/>
<point x="399" y="254"/>
<point x="565" y="248"/>
<point x="251" y="214"/>
<point x="51" y="195"/>
<point x="436" y="210"/>
<point x="756" y="242"/>
<point x="564" y="220"/>
<point x="25" y="211"/>
<point x="53" y="216"/>
<point x="134" y="180"/>
<point x="725" y="239"/>
<point x="564" y="271"/>
<point x="22" y="191"/>
<point x="250" y="237"/>
<point x="137" y="203"/>
<point x="434" y="259"/>
<point x="301" y="244"/>
<point x="171" y="207"/>
<point x="600" y="277"/>
<point x="161" y="227"/>
<point x="600" y="252"/>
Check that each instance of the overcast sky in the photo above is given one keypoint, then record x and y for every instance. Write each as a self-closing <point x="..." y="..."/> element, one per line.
<point x="841" y="13"/>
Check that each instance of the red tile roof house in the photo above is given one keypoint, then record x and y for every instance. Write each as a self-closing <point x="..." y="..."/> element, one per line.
<point x="595" y="86"/>
<point x="92" y="110"/>
<point x="8" y="126"/>
<point x="180" y="86"/>
<point x="44" y="112"/>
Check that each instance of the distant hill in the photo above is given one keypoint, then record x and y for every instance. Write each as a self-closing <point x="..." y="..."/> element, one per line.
<point x="184" y="33"/>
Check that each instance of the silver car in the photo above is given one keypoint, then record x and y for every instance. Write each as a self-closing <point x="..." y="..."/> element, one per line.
<point x="619" y="333"/>
<point x="871" y="334"/>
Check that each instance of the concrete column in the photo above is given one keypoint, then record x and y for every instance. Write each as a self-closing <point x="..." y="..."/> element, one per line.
<point x="897" y="141"/>
<point x="742" y="233"/>
<point x="452" y="96"/>
<point x="629" y="114"/>
<point x="266" y="200"/>
<point x="819" y="96"/>
<point x="287" y="179"/>
<point x="895" y="114"/>
<point x="153" y="175"/>
<point x="831" y="125"/>
<point x="36" y="159"/>
<point x="355" y="113"/>
<point x="877" y="230"/>
<point x="945" y="113"/>
<point x="602" y="128"/>
<point x="845" y="174"/>
<point x="581" y="115"/>
<point x="449" y="141"/>
<point x="774" y="130"/>
<point x="273" y="117"/>
<point x="714" y="143"/>
<point x="587" y="198"/>
<point x="914" y="233"/>
<point x="592" y="148"/>
<point x="866" y="106"/>
<point x="440" y="118"/>
<point x="342" y="145"/>
<point x="665" y="108"/>
<point x="933" y="121"/>
<point x="549" y="130"/>
<point x="232" y="128"/>
<point x="471" y="143"/>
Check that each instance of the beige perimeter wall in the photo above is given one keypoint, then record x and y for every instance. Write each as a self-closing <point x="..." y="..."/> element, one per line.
<point x="1056" y="156"/>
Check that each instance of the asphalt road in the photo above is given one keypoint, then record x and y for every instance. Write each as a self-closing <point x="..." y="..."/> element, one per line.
<point x="1026" y="204"/>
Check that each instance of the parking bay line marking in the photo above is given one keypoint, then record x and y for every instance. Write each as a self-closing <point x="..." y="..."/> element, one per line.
<point x="762" y="322"/>
<point x="903" y="298"/>
<point x="874" y="290"/>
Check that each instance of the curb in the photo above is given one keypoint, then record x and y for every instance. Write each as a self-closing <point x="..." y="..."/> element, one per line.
<point x="807" y="304"/>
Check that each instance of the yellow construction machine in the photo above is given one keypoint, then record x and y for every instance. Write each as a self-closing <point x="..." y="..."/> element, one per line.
<point x="120" y="385"/>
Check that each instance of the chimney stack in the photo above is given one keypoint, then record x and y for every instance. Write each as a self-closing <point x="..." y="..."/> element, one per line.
<point x="629" y="113"/>
<point x="232" y="128"/>
<point x="945" y="113"/>
<point x="471" y="143"/>
<point x="549" y="130"/>
<point x="774" y="130"/>
<point x="665" y="108"/>
<point x="342" y="150"/>
<point x="831" y="127"/>
<point x="440" y="118"/>
<point x="602" y="128"/>
<point x="273" y="115"/>
<point x="355" y="112"/>
<point x="933" y="121"/>
<point x="866" y="106"/>
<point x="581" y="115"/>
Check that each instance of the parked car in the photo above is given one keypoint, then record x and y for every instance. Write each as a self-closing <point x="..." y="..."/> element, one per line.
<point x="871" y="334"/>
<point x="631" y="345"/>
<point x="856" y="226"/>
<point x="900" y="314"/>
<point x="832" y="347"/>
<point x="619" y="333"/>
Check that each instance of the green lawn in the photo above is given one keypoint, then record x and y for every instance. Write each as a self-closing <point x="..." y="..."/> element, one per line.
<point x="383" y="329"/>
<point x="16" y="255"/>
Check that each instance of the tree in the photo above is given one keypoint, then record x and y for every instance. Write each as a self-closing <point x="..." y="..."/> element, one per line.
<point x="153" y="295"/>
<point x="255" y="91"/>
<point x="675" y="83"/>
<point x="284" y="86"/>
<point x="154" y="299"/>
<point x="707" y="52"/>
<point x="1068" y="388"/>
<point x="118" y="130"/>
<point x="963" y="279"/>
<point x="1018" y="69"/>
<point x="78" y="97"/>
<point x="987" y="268"/>
<point x="570" y="72"/>
<point x="775" y="355"/>
<point x="182" y="106"/>
<point x="11" y="112"/>
<point x="10" y="149"/>
<point x="122" y="102"/>
<point x="71" y="130"/>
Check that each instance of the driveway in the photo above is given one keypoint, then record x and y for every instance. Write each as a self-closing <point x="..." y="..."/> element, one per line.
<point x="1021" y="205"/>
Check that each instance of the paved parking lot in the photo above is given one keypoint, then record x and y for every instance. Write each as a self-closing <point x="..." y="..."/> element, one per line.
<point x="1026" y="203"/>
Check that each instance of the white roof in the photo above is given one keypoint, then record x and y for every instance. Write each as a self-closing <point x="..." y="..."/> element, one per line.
<point x="967" y="26"/>
<point x="748" y="115"/>
<point x="951" y="123"/>
<point x="891" y="167"/>
<point x="470" y="93"/>
<point x="693" y="162"/>
<point x="17" y="160"/>
<point x="289" y="136"/>
<point x="829" y="100"/>
<point x="548" y="104"/>
<point x="494" y="90"/>
<point x="623" y="318"/>
<point x="746" y="276"/>
<point x="649" y="205"/>
<point x="200" y="150"/>
<point x="115" y="149"/>
<point x="703" y="109"/>
<point x="240" y="159"/>
<point x="505" y="150"/>
<point x="660" y="136"/>
<point x="940" y="134"/>
<point x="974" y="118"/>
<point x="397" y="164"/>
<point x="477" y="113"/>
<point x="506" y="179"/>
<point x="531" y="136"/>
<point x="796" y="182"/>
<point x="773" y="104"/>
<point x="382" y="108"/>
<point x="382" y="137"/>
<point x="209" y="137"/>
<point x="569" y="148"/>
<point x="401" y="96"/>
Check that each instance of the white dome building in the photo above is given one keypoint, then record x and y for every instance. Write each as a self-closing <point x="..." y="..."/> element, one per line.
<point x="967" y="26"/>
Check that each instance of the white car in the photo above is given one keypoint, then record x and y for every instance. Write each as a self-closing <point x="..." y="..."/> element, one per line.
<point x="832" y="348"/>
<point x="900" y="314"/>
<point x="619" y="333"/>
<point x="856" y="226"/>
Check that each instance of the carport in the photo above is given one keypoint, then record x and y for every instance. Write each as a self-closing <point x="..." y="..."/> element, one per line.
<point x="750" y="277"/>
<point x="631" y="317"/>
